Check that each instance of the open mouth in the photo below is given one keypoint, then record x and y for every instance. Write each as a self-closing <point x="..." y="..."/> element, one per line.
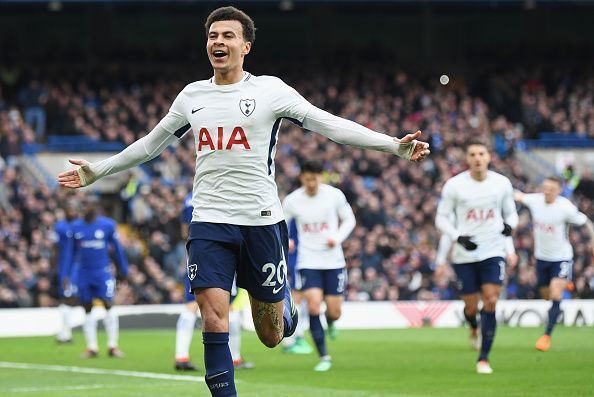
<point x="219" y="54"/>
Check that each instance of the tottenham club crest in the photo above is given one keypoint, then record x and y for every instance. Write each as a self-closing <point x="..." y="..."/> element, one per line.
<point x="192" y="271"/>
<point x="247" y="106"/>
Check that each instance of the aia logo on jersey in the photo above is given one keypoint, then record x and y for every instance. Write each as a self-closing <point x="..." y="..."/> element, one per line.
<point x="318" y="227"/>
<point x="223" y="141"/>
<point x="247" y="106"/>
<point x="192" y="269"/>
<point x="544" y="228"/>
<point x="480" y="215"/>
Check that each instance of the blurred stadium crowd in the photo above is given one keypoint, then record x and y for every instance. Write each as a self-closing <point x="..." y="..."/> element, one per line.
<point x="391" y="253"/>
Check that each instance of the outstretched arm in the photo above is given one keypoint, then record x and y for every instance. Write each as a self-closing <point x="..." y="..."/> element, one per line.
<point x="590" y="228"/>
<point x="348" y="132"/>
<point x="519" y="195"/>
<point x="166" y="132"/>
<point x="287" y="103"/>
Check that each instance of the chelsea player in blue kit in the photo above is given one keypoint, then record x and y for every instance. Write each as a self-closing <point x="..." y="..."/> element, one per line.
<point x="67" y="285"/>
<point x="93" y="236"/>
<point x="238" y="225"/>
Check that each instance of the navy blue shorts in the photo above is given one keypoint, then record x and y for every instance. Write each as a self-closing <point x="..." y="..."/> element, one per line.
<point x="546" y="271"/>
<point x="217" y="251"/>
<point x="294" y="281"/>
<point x="331" y="281"/>
<point x="190" y="295"/>
<point x="96" y="285"/>
<point x="472" y="275"/>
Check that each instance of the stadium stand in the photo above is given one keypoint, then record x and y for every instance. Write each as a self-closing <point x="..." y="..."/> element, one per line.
<point x="391" y="253"/>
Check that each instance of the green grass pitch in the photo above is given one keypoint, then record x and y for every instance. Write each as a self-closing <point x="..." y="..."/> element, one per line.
<point x="413" y="362"/>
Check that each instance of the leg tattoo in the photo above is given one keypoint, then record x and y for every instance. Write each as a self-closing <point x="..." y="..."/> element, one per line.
<point x="270" y="309"/>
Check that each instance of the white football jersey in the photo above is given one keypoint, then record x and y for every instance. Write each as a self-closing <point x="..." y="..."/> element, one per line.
<point x="317" y="219"/>
<point x="235" y="129"/>
<point x="480" y="209"/>
<point x="551" y="226"/>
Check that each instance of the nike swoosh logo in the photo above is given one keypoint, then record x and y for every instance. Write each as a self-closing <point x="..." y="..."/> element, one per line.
<point x="275" y="290"/>
<point x="215" y="375"/>
<point x="196" y="110"/>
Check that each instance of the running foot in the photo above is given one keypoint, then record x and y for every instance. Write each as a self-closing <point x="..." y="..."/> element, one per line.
<point x="242" y="364"/>
<point x="483" y="367"/>
<point x="543" y="343"/>
<point x="324" y="365"/>
<point x="63" y="341"/>
<point x="300" y="347"/>
<point x="116" y="353"/>
<point x="88" y="353"/>
<point x="185" y="365"/>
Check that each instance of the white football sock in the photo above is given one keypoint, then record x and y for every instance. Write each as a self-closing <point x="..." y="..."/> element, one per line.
<point x="303" y="323"/>
<point x="235" y="334"/>
<point x="183" y="334"/>
<point x="112" y="328"/>
<point x="90" y="330"/>
<point x="66" y="330"/>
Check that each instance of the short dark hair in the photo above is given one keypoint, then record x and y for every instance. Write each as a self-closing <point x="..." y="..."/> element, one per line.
<point x="233" y="14"/>
<point x="554" y="179"/>
<point x="313" y="166"/>
<point x="475" y="142"/>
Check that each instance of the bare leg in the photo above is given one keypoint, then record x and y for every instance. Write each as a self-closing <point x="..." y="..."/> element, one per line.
<point x="268" y="320"/>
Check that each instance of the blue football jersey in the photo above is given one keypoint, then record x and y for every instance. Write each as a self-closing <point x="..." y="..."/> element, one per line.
<point x="92" y="242"/>
<point x="188" y="209"/>
<point x="64" y="246"/>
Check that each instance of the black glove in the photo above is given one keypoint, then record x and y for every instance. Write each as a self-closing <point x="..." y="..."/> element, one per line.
<point x="507" y="230"/>
<point x="466" y="242"/>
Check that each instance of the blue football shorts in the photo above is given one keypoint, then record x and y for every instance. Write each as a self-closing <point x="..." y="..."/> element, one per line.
<point x="471" y="276"/>
<point x="96" y="285"/>
<point x="331" y="281"/>
<point x="546" y="271"/>
<point x="219" y="251"/>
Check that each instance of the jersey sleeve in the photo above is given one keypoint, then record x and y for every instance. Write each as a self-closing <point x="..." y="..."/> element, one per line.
<point x="66" y="253"/>
<point x="574" y="216"/>
<point x="287" y="103"/>
<point x="346" y="216"/>
<point x="443" y="250"/>
<point x="509" y="246"/>
<point x="510" y="213"/>
<point x="445" y="209"/>
<point x="188" y="210"/>
<point x="120" y="254"/>
<point x="529" y="200"/>
<point x="288" y="209"/>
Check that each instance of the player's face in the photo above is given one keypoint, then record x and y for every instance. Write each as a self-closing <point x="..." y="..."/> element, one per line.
<point x="225" y="45"/>
<point x="71" y="212"/>
<point x="311" y="182"/>
<point x="478" y="158"/>
<point x="551" y="190"/>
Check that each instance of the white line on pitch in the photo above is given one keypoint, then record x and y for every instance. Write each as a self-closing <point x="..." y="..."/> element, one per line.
<point x="55" y="388"/>
<point x="100" y="371"/>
